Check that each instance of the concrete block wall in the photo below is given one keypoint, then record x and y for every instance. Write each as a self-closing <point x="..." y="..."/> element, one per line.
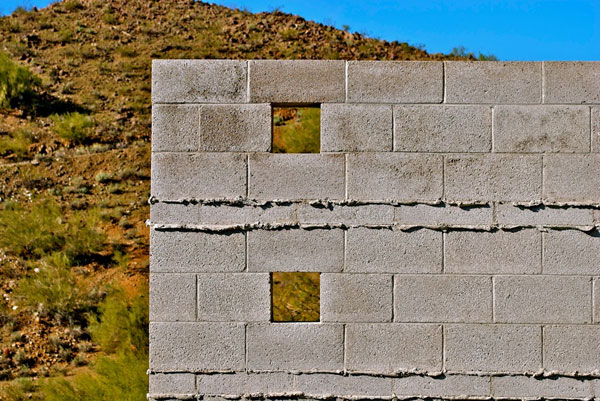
<point x="452" y="212"/>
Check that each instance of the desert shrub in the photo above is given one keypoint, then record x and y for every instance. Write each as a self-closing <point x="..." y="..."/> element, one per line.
<point x="103" y="177"/>
<point x="72" y="5"/>
<point x="16" y="144"/>
<point x="298" y="134"/>
<point x="17" y="84"/>
<point x="73" y="127"/>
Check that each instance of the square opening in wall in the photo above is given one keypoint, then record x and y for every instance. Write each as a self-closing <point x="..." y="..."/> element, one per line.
<point x="297" y="129"/>
<point x="295" y="297"/>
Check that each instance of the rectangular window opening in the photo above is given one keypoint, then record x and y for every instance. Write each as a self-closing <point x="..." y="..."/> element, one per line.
<point x="297" y="129"/>
<point x="295" y="297"/>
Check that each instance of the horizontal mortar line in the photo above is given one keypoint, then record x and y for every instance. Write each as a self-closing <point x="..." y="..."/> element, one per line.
<point x="439" y="104"/>
<point x="361" y="152"/>
<point x="399" y="274"/>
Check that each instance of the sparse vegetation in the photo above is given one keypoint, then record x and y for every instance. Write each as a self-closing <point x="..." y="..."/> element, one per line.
<point x="297" y="130"/>
<point x="17" y="83"/>
<point x="73" y="127"/>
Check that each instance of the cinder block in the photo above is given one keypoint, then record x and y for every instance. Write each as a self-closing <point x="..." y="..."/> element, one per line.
<point x="296" y="250"/>
<point x="572" y="348"/>
<point x="356" y="128"/>
<point x="355" y="387"/>
<point x="493" y="348"/>
<point x="394" y="176"/>
<point x="493" y="82"/>
<point x="541" y="129"/>
<point x="241" y="297"/>
<point x="441" y="298"/>
<point x="595" y="129"/>
<point x="493" y="177"/>
<point x="295" y="346"/>
<point x="193" y="347"/>
<point x="297" y="81"/>
<point x="498" y="252"/>
<point x="573" y="178"/>
<point x="571" y="252"/>
<point x="388" y="348"/>
<point x="198" y="175"/>
<point x="296" y="176"/>
<point x="349" y="215"/>
<point x="235" y="128"/>
<point x="199" y="81"/>
<point x="596" y="299"/>
<point x="571" y="82"/>
<point x="178" y="213"/>
<point x="172" y="383"/>
<point x="241" y="384"/>
<point x="196" y="252"/>
<point x="175" y="128"/>
<point x="509" y="215"/>
<point x="172" y="297"/>
<point x="443" y="215"/>
<point x="542" y="299"/>
<point x="395" y="81"/>
<point x="519" y="387"/>
<point x="442" y="386"/>
<point x="388" y="251"/>
<point x="441" y="128"/>
<point x="356" y="297"/>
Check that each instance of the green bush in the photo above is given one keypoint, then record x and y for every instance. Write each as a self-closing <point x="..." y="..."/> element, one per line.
<point x="17" y="84"/>
<point x="73" y="127"/>
<point x="16" y="144"/>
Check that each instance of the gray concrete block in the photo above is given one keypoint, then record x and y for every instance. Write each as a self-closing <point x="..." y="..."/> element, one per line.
<point x="356" y="128"/>
<point x="595" y="129"/>
<point x="296" y="250"/>
<point x="571" y="82"/>
<point x="297" y="81"/>
<point x="493" y="82"/>
<point x="509" y="215"/>
<point x="542" y="299"/>
<point x="443" y="386"/>
<point x="444" y="215"/>
<point x="349" y="215"/>
<point x="172" y="297"/>
<point x="192" y="347"/>
<point x="178" y="213"/>
<point x="498" y="252"/>
<point x="441" y="128"/>
<point x="388" y="348"/>
<point x="199" y="81"/>
<point x="395" y="81"/>
<point x="357" y="387"/>
<point x="175" y="128"/>
<point x="356" y="297"/>
<point x="295" y="346"/>
<point x="493" y="348"/>
<point x="393" y="176"/>
<point x="198" y="175"/>
<point x="296" y="176"/>
<point x="572" y="178"/>
<point x="172" y="383"/>
<point x="596" y="299"/>
<point x="238" y="297"/>
<point x="572" y="348"/>
<point x="541" y="129"/>
<point x="240" y="384"/>
<point x="493" y="177"/>
<point x="571" y="252"/>
<point x="441" y="298"/>
<point x="235" y="128"/>
<point x="519" y="387"/>
<point x="387" y="251"/>
<point x="196" y="252"/>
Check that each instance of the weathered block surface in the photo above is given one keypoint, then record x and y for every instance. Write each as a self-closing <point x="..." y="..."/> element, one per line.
<point x="172" y="383"/>
<point x="443" y="215"/>
<point x="572" y="348"/>
<point x="389" y="176"/>
<point x="440" y="298"/>
<point x="175" y="128"/>
<point x="493" y="82"/>
<point x="541" y="129"/>
<point x="493" y="348"/>
<point x="324" y="385"/>
<point x="520" y="387"/>
<point x="595" y="129"/>
<point x="350" y="215"/>
<point x="542" y="299"/>
<point x="391" y="348"/>
<point x="571" y="82"/>
<point x="449" y="386"/>
<point x="395" y="82"/>
<point x="172" y="297"/>
<point x="509" y="215"/>
<point x="241" y="384"/>
<point x="356" y="297"/>
<point x="295" y="346"/>
<point x="356" y="128"/>
<point x="571" y="252"/>
<point x="437" y="128"/>
<point x="572" y="178"/>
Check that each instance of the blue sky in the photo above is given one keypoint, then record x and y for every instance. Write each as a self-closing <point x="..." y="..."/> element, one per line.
<point x="509" y="29"/>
